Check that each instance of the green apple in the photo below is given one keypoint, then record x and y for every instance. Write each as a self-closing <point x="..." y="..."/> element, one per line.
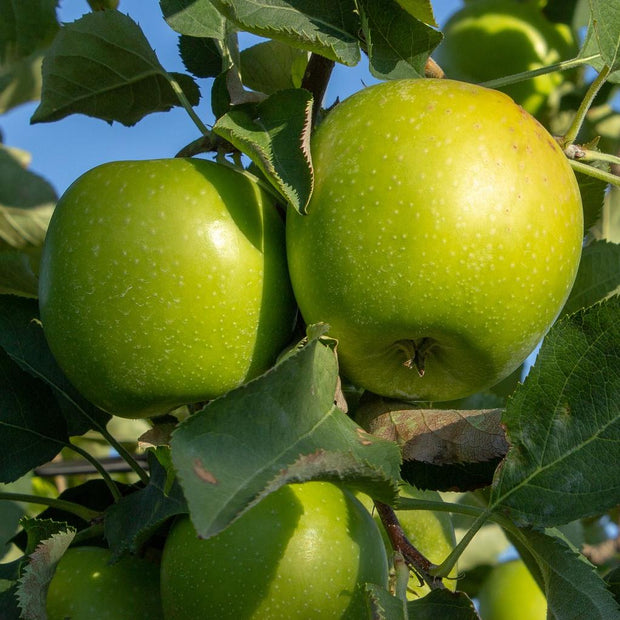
<point x="511" y="593"/>
<point x="304" y="551"/>
<point x="431" y="533"/>
<point x="489" y="39"/>
<point x="86" y="586"/>
<point x="163" y="283"/>
<point x="442" y="238"/>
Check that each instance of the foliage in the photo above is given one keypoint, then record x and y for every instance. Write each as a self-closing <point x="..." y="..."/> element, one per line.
<point x="532" y="463"/>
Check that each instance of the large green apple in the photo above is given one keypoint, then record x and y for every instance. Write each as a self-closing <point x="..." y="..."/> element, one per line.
<point x="442" y="238"/>
<point x="510" y="593"/>
<point x="86" y="586"/>
<point x="164" y="282"/>
<point x="489" y="39"/>
<point x="431" y="533"/>
<point x="303" y="552"/>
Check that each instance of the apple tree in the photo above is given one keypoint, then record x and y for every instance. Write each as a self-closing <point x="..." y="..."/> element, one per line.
<point x="334" y="357"/>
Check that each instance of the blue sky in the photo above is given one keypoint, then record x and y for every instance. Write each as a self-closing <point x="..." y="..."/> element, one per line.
<point x="63" y="150"/>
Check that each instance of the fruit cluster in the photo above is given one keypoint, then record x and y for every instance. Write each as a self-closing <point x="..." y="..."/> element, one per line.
<point x="441" y="242"/>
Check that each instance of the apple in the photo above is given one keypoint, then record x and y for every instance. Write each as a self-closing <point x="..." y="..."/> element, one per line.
<point x="489" y="39"/>
<point x="431" y="533"/>
<point x="442" y="238"/>
<point x="86" y="586"/>
<point x="164" y="283"/>
<point x="304" y="551"/>
<point x="511" y="593"/>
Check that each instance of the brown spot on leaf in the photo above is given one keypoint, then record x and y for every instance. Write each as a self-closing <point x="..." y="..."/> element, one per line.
<point x="204" y="474"/>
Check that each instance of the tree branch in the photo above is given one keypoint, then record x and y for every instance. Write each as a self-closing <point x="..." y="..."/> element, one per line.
<point x="316" y="78"/>
<point x="413" y="558"/>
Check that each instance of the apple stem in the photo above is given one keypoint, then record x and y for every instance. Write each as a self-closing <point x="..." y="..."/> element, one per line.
<point x="596" y="173"/>
<point x="564" y="65"/>
<point x="580" y="115"/>
<point x="178" y="91"/>
<point x="443" y="570"/>
<point x="417" y="562"/>
<point x="116" y="494"/>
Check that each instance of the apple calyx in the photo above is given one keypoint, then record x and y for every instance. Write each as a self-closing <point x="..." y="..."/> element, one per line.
<point x="415" y="352"/>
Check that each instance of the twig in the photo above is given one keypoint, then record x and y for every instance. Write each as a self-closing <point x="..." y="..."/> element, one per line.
<point x="316" y="77"/>
<point x="112" y="464"/>
<point x="413" y="558"/>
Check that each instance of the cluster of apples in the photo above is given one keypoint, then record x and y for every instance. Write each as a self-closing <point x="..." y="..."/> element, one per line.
<point x="441" y="242"/>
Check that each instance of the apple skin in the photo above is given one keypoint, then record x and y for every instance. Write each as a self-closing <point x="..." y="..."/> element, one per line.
<point x="489" y="39"/>
<point x="442" y="238"/>
<point x="302" y="552"/>
<point x="431" y="533"/>
<point x="85" y="586"/>
<point x="164" y="282"/>
<point x="511" y="593"/>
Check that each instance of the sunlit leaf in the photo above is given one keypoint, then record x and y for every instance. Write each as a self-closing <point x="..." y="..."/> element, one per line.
<point x="103" y="66"/>
<point x="563" y="425"/>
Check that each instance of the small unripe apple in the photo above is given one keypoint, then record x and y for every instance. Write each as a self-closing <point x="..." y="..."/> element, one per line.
<point x="442" y="238"/>
<point x="163" y="283"/>
<point x="489" y="39"/>
<point x="511" y="593"/>
<point x="85" y="586"/>
<point x="304" y="551"/>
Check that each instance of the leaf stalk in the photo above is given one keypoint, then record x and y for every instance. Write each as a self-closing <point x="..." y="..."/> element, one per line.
<point x="53" y="502"/>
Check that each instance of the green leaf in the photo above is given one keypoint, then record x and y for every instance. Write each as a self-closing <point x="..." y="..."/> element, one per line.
<point x="26" y="30"/>
<point x="17" y="274"/>
<point x="443" y="605"/>
<point x="196" y="18"/>
<point x="10" y="514"/>
<point x="32" y="428"/>
<point x="606" y="24"/>
<point x="131" y="521"/>
<point x="383" y="605"/>
<point x="596" y="38"/>
<point x="563" y="425"/>
<point x="572" y="585"/>
<point x="398" y="44"/>
<point x="592" y="196"/>
<point x="598" y="275"/>
<point x="608" y="225"/>
<point x="200" y="56"/>
<point x="612" y="579"/>
<point x="38" y="530"/>
<point x="32" y="587"/>
<point x="275" y="134"/>
<point x="8" y="603"/>
<point x="420" y="9"/>
<point x="327" y="28"/>
<point x="271" y="66"/>
<point x="26" y="205"/>
<point x="102" y="65"/>
<point x="93" y="494"/>
<point x="22" y="338"/>
<point x="251" y="438"/>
